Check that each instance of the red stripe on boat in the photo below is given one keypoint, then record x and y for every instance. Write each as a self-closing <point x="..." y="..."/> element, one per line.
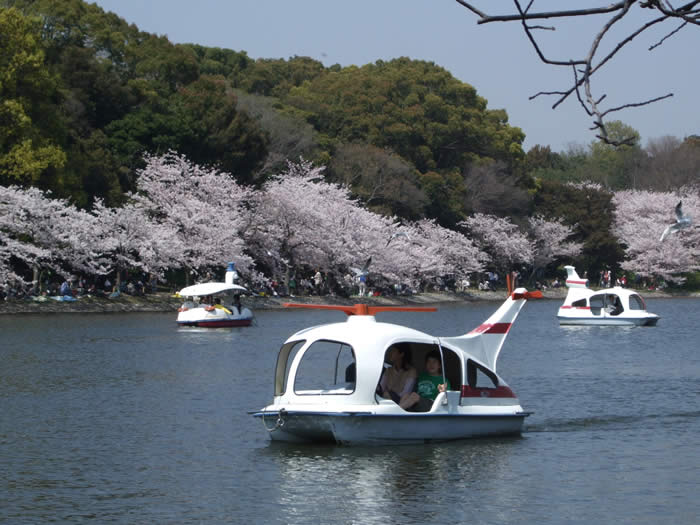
<point x="495" y="328"/>
<point x="576" y="282"/>
<point x="500" y="391"/>
<point x="578" y="307"/>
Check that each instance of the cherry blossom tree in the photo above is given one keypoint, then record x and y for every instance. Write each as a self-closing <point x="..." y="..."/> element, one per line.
<point x="502" y="240"/>
<point x="307" y="222"/>
<point x="640" y="219"/>
<point x="443" y="252"/>
<point x="202" y="213"/>
<point x="126" y="238"/>
<point x="41" y="233"/>
<point x="549" y="242"/>
<point x="303" y="221"/>
<point x="18" y="231"/>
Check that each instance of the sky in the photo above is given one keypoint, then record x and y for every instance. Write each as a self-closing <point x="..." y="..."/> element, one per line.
<point x="495" y="58"/>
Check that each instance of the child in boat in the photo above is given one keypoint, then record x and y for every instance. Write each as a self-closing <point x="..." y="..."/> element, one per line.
<point x="430" y="383"/>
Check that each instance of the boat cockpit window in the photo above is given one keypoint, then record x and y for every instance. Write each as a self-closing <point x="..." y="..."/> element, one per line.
<point x="597" y="303"/>
<point x="286" y="356"/>
<point x="326" y="368"/>
<point x="613" y="304"/>
<point x="636" y="302"/>
<point x="580" y="302"/>
<point x="480" y="377"/>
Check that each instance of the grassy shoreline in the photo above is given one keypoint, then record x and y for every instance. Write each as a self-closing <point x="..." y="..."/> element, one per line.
<point x="166" y="302"/>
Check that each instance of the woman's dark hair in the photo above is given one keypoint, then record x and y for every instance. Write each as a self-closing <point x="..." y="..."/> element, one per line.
<point x="406" y="356"/>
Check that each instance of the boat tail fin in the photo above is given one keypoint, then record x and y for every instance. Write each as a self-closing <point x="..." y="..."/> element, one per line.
<point x="486" y="340"/>
<point x="573" y="280"/>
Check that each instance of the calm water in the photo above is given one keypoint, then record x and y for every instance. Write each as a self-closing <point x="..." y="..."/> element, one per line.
<point x="127" y="419"/>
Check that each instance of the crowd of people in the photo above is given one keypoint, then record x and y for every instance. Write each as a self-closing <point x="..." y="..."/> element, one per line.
<point x="314" y="282"/>
<point x="79" y="286"/>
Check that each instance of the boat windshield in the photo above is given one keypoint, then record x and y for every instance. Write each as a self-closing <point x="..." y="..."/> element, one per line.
<point x="326" y="367"/>
<point x="597" y="303"/>
<point x="286" y="356"/>
<point x="636" y="302"/>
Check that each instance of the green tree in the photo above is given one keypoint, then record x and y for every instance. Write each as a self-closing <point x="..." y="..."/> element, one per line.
<point x="26" y="93"/>
<point x="444" y="191"/>
<point x="276" y="77"/>
<point x="415" y="108"/>
<point x="614" y="166"/>
<point x="214" y="132"/>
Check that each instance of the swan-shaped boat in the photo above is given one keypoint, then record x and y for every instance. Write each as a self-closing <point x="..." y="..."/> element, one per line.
<point x="615" y="306"/>
<point x="326" y="378"/>
<point x="214" y="305"/>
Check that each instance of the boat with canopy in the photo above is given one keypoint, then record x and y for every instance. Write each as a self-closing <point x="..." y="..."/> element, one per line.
<point x="326" y="381"/>
<point x="215" y="304"/>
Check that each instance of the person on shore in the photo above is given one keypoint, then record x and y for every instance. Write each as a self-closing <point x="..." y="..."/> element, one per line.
<point x="65" y="289"/>
<point x="363" y="285"/>
<point x="318" y="282"/>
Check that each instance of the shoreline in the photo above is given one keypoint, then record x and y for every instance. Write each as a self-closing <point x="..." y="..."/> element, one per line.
<point x="167" y="302"/>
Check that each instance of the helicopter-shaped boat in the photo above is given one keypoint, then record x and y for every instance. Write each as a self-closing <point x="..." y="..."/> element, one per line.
<point x="326" y="379"/>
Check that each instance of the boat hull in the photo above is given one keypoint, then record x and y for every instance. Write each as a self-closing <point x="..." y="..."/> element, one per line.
<point x="362" y="428"/>
<point x="608" y="321"/>
<point x="222" y="323"/>
<point x="215" y="318"/>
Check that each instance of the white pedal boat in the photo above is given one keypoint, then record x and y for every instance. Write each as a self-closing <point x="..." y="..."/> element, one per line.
<point x="316" y="399"/>
<point x="607" y="307"/>
<point x="214" y="305"/>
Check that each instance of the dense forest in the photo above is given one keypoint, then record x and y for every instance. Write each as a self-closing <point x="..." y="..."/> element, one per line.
<point x="85" y="97"/>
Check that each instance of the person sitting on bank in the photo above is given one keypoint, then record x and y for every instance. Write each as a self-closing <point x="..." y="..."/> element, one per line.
<point x="400" y="379"/>
<point x="430" y="383"/>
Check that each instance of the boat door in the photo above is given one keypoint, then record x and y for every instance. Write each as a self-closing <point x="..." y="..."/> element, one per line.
<point x="606" y="305"/>
<point x="613" y="305"/>
<point x="597" y="304"/>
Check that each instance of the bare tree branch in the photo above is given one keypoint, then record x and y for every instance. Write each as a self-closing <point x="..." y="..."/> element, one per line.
<point x="585" y="67"/>
<point x="485" y="19"/>
<point x="637" y="104"/>
<point x="668" y="36"/>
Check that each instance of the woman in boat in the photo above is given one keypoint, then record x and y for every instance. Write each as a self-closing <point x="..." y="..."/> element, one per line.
<point x="400" y="379"/>
<point x="237" y="304"/>
<point x="430" y="383"/>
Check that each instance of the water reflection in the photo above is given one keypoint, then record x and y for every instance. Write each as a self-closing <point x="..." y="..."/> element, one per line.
<point x="385" y="485"/>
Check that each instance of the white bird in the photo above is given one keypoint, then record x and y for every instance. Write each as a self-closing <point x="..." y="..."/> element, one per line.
<point x="682" y="221"/>
<point x="397" y="234"/>
<point x="365" y="269"/>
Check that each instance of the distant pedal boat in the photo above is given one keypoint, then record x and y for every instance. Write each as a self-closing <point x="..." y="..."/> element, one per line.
<point x="615" y="306"/>
<point x="224" y="310"/>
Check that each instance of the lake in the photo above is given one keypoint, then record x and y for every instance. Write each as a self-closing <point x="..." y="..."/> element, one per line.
<point x="127" y="418"/>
